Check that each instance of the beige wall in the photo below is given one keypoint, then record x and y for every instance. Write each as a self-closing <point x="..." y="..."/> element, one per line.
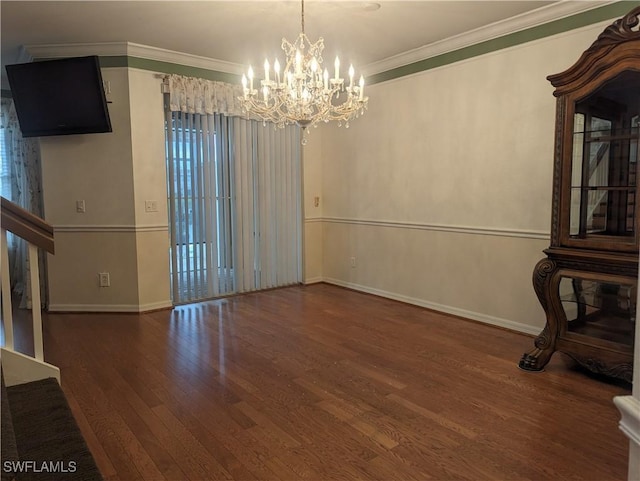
<point x="114" y="173"/>
<point x="312" y="169"/>
<point x="442" y="190"/>
<point x="150" y="184"/>
<point x="96" y="168"/>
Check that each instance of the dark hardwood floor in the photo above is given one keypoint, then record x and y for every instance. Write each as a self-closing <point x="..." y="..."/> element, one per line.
<point x="324" y="383"/>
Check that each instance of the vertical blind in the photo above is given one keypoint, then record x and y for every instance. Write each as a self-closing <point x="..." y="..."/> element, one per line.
<point x="234" y="189"/>
<point x="5" y="163"/>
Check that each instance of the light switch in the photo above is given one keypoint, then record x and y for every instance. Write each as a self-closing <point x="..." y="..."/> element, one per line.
<point x="151" y="206"/>
<point x="80" y="206"/>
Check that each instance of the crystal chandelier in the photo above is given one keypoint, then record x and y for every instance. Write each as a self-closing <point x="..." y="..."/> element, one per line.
<point x="304" y="93"/>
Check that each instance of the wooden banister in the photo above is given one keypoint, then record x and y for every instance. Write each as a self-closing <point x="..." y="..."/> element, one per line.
<point x="24" y="224"/>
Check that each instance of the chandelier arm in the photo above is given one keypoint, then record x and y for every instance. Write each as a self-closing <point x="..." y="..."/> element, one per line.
<point x="305" y="94"/>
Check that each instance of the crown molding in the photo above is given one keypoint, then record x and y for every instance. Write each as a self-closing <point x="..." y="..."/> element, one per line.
<point x="115" y="49"/>
<point x="540" y="16"/>
<point x="58" y="50"/>
<point x="171" y="56"/>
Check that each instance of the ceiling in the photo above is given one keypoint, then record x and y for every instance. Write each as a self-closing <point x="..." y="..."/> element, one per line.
<point x="245" y="32"/>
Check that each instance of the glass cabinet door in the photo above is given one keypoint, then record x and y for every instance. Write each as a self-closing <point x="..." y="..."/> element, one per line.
<point x="604" y="310"/>
<point x="603" y="190"/>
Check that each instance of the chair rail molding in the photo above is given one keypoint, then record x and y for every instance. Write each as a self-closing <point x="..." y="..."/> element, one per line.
<point x="477" y="230"/>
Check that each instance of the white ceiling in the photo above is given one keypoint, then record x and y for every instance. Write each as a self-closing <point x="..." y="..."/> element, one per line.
<point x="245" y="32"/>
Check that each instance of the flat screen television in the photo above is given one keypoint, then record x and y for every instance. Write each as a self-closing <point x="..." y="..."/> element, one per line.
<point x="59" y="97"/>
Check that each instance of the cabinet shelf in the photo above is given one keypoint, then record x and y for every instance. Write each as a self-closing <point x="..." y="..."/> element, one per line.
<point x="601" y="295"/>
<point x="611" y="328"/>
<point x="618" y="188"/>
<point x="593" y="136"/>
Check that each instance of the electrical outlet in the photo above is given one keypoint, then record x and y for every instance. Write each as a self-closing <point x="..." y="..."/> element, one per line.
<point x="104" y="279"/>
<point x="353" y="261"/>
<point x="316" y="201"/>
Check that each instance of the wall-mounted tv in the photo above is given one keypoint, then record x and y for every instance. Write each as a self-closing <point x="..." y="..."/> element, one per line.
<point x="59" y="97"/>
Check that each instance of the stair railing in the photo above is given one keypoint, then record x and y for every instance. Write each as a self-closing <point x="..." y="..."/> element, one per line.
<point x="38" y="234"/>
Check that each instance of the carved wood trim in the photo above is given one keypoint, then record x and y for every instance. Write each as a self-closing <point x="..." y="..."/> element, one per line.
<point x="24" y="224"/>
<point x="557" y="172"/>
<point x="619" y="370"/>
<point x="539" y="356"/>
<point x="619" y="42"/>
<point x="622" y="30"/>
<point x="595" y="261"/>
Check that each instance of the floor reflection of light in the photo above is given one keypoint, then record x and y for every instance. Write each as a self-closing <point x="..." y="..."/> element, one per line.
<point x="221" y="351"/>
<point x="189" y="336"/>
<point x="196" y="331"/>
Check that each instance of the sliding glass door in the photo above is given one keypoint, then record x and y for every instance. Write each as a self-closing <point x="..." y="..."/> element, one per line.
<point x="234" y="192"/>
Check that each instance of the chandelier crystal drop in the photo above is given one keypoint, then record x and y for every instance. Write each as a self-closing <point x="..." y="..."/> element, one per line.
<point x="303" y="93"/>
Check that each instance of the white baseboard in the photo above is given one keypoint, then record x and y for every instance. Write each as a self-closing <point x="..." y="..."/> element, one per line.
<point x="313" y="280"/>
<point x="154" y="306"/>
<point x="476" y="316"/>
<point x="137" y="308"/>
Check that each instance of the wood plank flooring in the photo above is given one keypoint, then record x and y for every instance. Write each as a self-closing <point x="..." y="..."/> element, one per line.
<point x="324" y="383"/>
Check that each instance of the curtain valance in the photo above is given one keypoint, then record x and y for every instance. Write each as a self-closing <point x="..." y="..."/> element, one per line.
<point x="200" y="96"/>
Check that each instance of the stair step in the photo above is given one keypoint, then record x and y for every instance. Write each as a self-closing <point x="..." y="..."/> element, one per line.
<point x="46" y="431"/>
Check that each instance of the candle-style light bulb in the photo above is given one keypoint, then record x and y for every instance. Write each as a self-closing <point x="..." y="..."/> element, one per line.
<point x="314" y="65"/>
<point x="326" y="79"/>
<point x="351" y="72"/>
<point x="250" y="74"/>
<point x="276" y="67"/>
<point x="244" y="85"/>
<point x="337" y="66"/>
<point x="298" y="62"/>
<point x="361" y="87"/>
<point x="266" y="70"/>
<point x="265" y="93"/>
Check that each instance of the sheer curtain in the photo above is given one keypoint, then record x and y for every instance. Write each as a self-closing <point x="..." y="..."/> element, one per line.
<point x="21" y="184"/>
<point x="234" y="194"/>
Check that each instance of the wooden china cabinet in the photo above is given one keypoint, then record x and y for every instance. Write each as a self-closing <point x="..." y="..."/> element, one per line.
<point x="587" y="284"/>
